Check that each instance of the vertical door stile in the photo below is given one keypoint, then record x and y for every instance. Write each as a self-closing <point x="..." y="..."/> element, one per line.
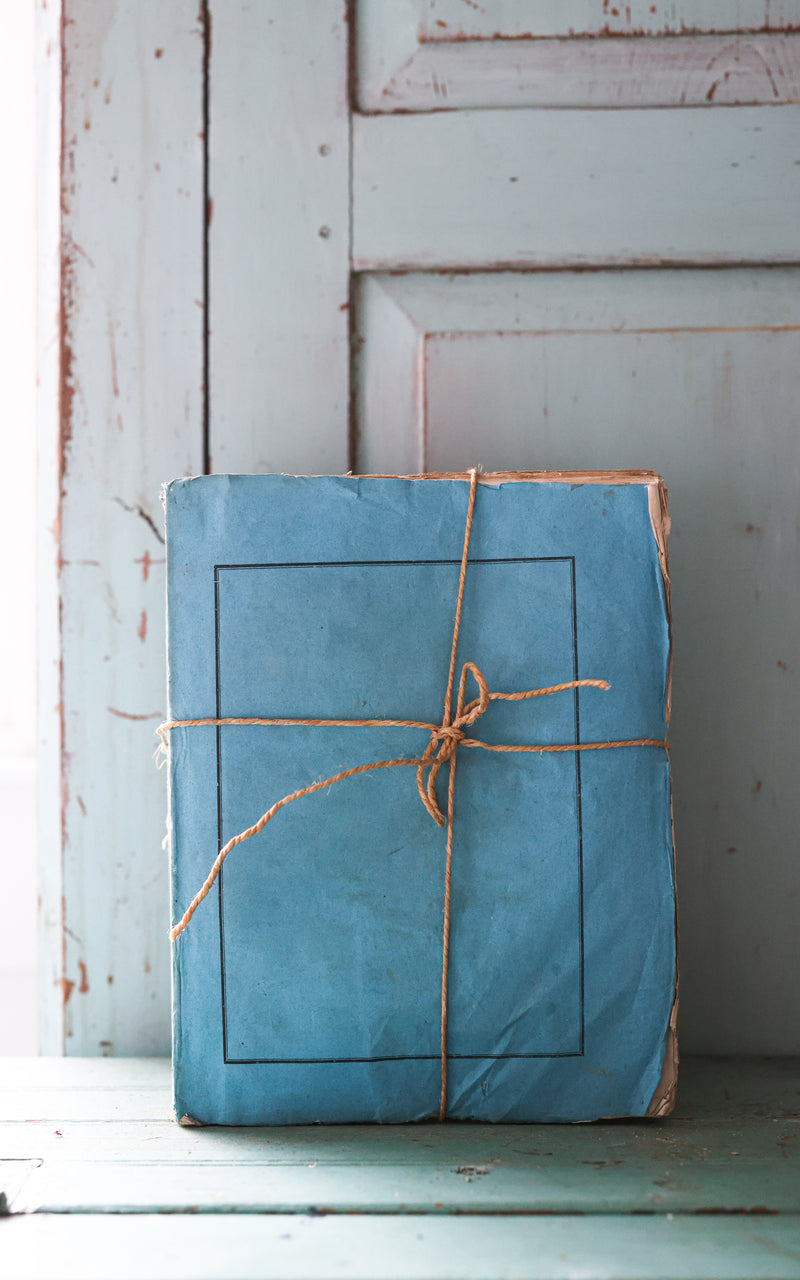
<point x="279" y="236"/>
<point x="130" y="403"/>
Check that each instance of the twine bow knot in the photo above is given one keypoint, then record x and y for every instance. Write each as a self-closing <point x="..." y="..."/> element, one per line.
<point x="446" y="738"/>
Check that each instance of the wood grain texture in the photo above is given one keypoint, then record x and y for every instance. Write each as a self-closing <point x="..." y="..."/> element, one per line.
<point x="562" y="188"/>
<point x="692" y="374"/>
<point x="100" y="1142"/>
<point x="466" y="1169"/>
<point x="278" y="1247"/>
<point x="131" y="417"/>
<point x="411" y="59"/>
<point x="48" y="532"/>
<point x="279" y="237"/>
<point x="137" y="1195"/>
<point x="83" y="1089"/>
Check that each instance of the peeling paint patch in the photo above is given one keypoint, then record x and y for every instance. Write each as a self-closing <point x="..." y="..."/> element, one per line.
<point x="113" y="352"/>
<point x="66" y="988"/>
<point x="130" y="715"/>
<point x="146" y="561"/>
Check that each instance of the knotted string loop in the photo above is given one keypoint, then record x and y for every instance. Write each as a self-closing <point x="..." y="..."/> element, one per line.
<point x="445" y="739"/>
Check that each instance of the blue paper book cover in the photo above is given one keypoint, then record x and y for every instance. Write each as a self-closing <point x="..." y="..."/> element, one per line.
<point x="307" y="984"/>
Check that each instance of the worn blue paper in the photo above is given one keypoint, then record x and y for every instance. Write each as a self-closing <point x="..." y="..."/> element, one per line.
<point x="307" y="985"/>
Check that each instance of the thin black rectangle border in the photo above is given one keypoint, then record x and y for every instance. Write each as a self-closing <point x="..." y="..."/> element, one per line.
<point x="418" y="1057"/>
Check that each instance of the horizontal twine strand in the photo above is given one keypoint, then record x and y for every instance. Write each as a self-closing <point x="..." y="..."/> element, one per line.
<point x="168" y="725"/>
<point x="400" y="762"/>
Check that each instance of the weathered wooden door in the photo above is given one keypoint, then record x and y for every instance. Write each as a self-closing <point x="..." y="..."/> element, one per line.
<point x="419" y="235"/>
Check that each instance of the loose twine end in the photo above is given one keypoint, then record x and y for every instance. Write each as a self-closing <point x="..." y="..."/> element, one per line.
<point x="442" y="748"/>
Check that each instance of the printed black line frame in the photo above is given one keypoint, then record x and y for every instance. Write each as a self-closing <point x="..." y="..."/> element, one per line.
<point x="417" y="1057"/>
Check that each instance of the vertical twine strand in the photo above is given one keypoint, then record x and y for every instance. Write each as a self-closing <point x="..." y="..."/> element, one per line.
<point x="451" y="785"/>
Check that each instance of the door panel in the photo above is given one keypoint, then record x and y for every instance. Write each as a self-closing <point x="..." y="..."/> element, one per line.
<point x="443" y="55"/>
<point x="693" y="373"/>
<point x="576" y="187"/>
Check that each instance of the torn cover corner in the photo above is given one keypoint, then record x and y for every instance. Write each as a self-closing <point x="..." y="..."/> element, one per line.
<point x="663" y="1100"/>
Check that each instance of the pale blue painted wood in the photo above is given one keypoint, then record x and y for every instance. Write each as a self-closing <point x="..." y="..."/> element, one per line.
<point x="130" y="417"/>
<point x="105" y="1145"/>
<point x="102" y="1247"/>
<point x="431" y="1202"/>
<point x="556" y="188"/>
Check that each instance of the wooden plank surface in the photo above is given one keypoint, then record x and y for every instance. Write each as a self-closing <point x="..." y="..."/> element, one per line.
<point x="131" y="418"/>
<point x="97" y="1247"/>
<point x="83" y="1089"/>
<point x="736" y="1167"/>
<point x="111" y="1149"/>
<point x="572" y="188"/>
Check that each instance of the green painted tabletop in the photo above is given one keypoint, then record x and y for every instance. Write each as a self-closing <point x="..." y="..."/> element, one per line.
<point x="98" y="1180"/>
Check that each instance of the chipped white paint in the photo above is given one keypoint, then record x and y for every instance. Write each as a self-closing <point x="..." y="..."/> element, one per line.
<point x="131" y="417"/>
<point x="48" y="359"/>
<point x="512" y="19"/>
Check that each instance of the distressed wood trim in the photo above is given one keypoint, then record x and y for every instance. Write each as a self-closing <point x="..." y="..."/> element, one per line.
<point x="131" y="395"/>
<point x="701" y="70"/>
<point x="521" y="19"/>
<point x="48" y="411"/>
<point x="389" y="381"/>
<point x="723" y="301"/>
<point x="560" y="189"/>
<point x="398" y="316"/>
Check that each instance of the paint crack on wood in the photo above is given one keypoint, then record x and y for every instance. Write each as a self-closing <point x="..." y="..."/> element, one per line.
<point x="136" y="509"/>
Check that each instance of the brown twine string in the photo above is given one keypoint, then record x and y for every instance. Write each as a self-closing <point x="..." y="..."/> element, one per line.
<point x="445" y="738"/>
